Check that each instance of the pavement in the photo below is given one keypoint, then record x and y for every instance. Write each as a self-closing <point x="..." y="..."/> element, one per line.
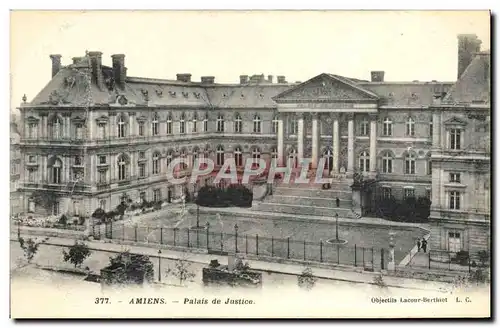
<point x="332" y="272"/>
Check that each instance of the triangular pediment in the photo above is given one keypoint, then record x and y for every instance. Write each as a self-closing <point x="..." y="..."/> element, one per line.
<point x="327" y="87"/>
<point x="455" y="121"/>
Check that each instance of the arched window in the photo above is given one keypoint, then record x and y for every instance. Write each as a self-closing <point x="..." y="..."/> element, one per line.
<point x="121" y="127"/>
<point x="156" y="163"/>
<point x="292" y="158"/>
<point x="56" y="126"/>
<point x="205" y="123"/>
<point x="182" y="124"/>
<point x="387" y="162"/>
<point x="238" y="124"/>
<point x="183" y="156"/>
<point x="220" y="155"/>
<point x="238" y="157"/>
<point x="410" y="163"/>
<point x="155" y="125"/>
<point x="169" y="123"/>
<point x="255" y="155"/>
<point x="364" y="162"/>
<point x="410" y="127"/>
<point x="274" y="152"/>
<point x="169" y="157"/>
<point x="275" y="123"/>
<point x="431" y="126"/>
<point x="257" y="123"/>
<point x="294" y="126"/>
<point x="363" y="127"/>
<point x="122" y="167"/>
<point x="387" y="131"/>
<point x="328" y="155"/>
<point x="56" y="171"/>
<point x="220" y="123"/>
<point x="195" y="123"/>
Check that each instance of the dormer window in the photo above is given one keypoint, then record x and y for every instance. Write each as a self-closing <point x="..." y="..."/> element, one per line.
<point x="242" y="96"/>
<point x="185" y="94"/>
<point x="224" y="95"/>
<point x="261" y="95"/>
<point x="159" y="93"/>
<point x="196" y="95"/>
<point x="145" y="94"/>
<point x="172" y="94"/>
<point x="414" y="95"/>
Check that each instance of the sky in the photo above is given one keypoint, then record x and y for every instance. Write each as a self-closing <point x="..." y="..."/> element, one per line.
<point x="407" y="45"/>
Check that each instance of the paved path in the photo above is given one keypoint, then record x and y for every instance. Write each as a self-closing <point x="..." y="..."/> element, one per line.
<point x="295" y="269"/>
<point x="274" y="216"/>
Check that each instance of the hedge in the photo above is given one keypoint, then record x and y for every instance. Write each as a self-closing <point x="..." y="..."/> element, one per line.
<point x="406" y="210"/>
<point x="233" y="195"/>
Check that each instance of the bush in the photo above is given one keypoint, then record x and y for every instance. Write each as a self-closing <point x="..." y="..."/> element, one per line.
<point x="406" y="210"/>
<point x="99" y="214"/>
<point x="63" y="220"/>
<point x="120" y="209"/>
<point x="484" y="257"/>
<point x="81" y="220"/>
<point x="461" y="258"/>
<point x="77" y="254"/>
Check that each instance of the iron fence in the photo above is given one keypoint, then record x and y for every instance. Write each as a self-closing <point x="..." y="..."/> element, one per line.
<point x="368" y="258"/>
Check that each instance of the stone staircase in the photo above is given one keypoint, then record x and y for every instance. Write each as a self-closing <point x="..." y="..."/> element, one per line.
<point x="310" y="199"/>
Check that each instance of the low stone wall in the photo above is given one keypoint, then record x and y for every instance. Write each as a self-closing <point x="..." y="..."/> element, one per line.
<point x="51" y="232"/>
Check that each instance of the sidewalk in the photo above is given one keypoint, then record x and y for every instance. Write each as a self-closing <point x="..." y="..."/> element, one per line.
<point x="335" y="273"/>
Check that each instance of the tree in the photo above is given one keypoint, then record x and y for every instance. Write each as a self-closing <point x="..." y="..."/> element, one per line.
<point x="30" y="247"/>
<point x="181" y="271"/>
<point x="45" y="199"/>
<point x="306" y="280"/>
<point x="127" y="268"/>
<point x="484" y="257"/>
<point x="77" y="254"/>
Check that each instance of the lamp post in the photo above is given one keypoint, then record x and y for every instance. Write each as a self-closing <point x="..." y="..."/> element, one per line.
<point x="236" y="237"/>
<point x="336" y="226"/>
<point x="195" y="194"/>
<point x="159" y="265"/>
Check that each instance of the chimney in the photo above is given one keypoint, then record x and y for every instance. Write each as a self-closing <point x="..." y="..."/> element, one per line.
<point x="377" y="76"/>
<point x="119" y="70"/>
<point x="56" y="64"/>
<point x="96" y="64"/>
<point x="468" y="46"/>
<point x="243" y="79"/>
<point x="184" y="77"/>
<point x="281" y="79"/>
<point x="270" y="78"/>
<point x="207" y="79"/>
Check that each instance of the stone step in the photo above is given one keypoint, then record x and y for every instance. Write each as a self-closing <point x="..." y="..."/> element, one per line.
<point x="313" y="185"/>
<point x="305" y="210"/>
<point x="308" y="201"/>
<point x="307" y="192"/>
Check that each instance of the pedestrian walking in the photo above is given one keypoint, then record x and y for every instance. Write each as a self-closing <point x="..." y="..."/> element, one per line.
<point x="337" y="201"/>
<point x="419" y="244"/>
<point x="424" y="245"/>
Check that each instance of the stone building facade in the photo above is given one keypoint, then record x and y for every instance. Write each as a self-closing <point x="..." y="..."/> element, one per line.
<point x="94" y="135"/>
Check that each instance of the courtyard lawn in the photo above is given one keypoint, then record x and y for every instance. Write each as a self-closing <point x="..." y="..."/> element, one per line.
<point x="276" y="238"/>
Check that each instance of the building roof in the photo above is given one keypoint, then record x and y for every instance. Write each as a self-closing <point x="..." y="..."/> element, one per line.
<point x="473" y="86"/>
<point x="70" y="87"/>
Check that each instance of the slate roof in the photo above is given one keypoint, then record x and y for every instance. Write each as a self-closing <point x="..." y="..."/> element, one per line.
<point x="69" y="86"/>
<point x="473" y="86"/>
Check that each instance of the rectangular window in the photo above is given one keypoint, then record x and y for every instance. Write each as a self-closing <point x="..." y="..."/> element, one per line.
<point x="409" y="193"/>
<point x="142" y="155"/>
<point x="364" y="128"/>
<point x="31" y="175"/>
<point x="429" y="167"/>
<point x="32" y="130"/>
<point x="455" y="177"/>
<point x="101" y="131"/>
<point x="454" y="200"/>
<point x="169" y="127"/>
<point x="102" y="176"/>
<point x="454" y="241"/>
<point x="157" y="195"/>
<point x="455" y="135"/>
<point x="205" y="125"/>
<point x="195" y="126"/>
<point x="79" y="131"/>
<point x="102" y="204"/>
<point x="102" y="159"/>
<point x="141" y="129"/>
<point x="142" y="170"/>
<point x="386" y="192"/>
<point x="31" y="159"/>
<point x="182" y="127"/>
<point x="55" y="208"/>
<point x="142" y="195"/>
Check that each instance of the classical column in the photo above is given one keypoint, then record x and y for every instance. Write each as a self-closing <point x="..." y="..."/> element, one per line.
<point x="281" y="144"/>
<point x="300" y="139"/>
<point x="350" y="143"/>
<point x="373" y="143"/>
<point x="315" y="141"/>
<point x="335" y="144"/>
<point x="68" y="127"/>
